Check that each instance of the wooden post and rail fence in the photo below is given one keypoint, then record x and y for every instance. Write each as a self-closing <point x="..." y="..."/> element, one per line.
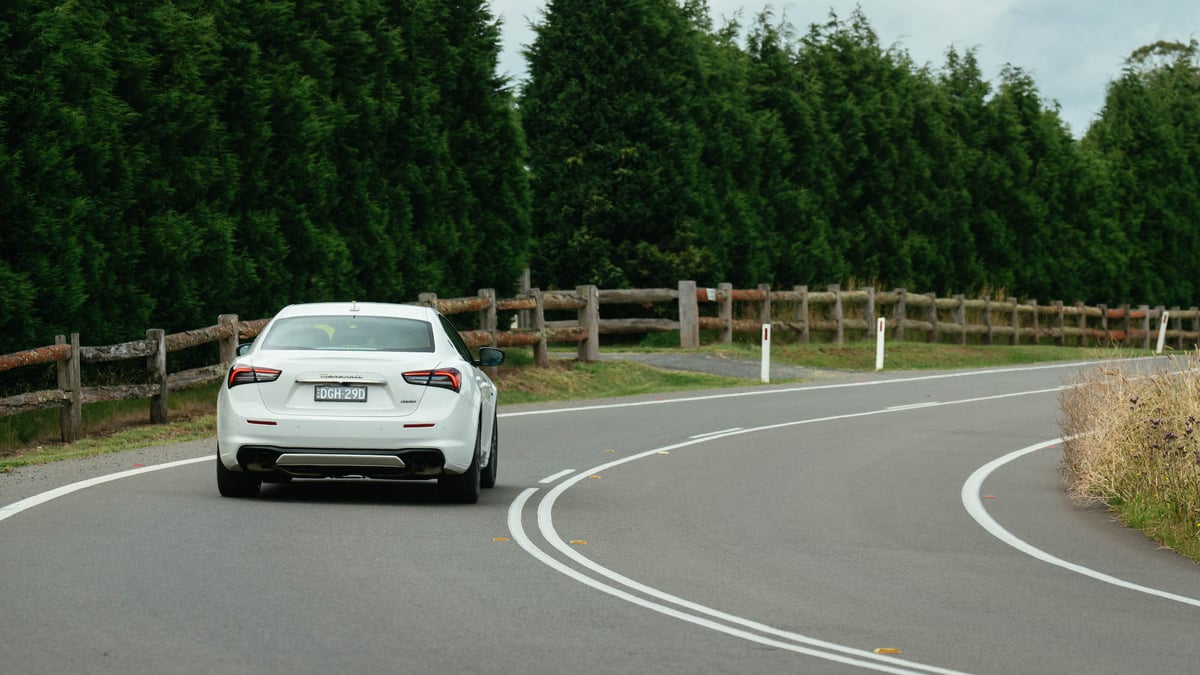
<point x="829" y="316"/>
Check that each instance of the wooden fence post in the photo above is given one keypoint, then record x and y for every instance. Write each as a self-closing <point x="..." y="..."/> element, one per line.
<point x="1128" y="325"/>
<point x="70" y="416"/>
<point x="689" y="315"/>
<point x="156" y="368"/>
<point x="802" y="315"/>
<point x="228" y="344"/>
<point x="1145" y="309"/>
<point x="589" y="319"/>
<point x="932" y="335"/>
<point x="1037" y="329"/>
<point x="836" y="289"/>
<point x="764" y="310"/>
<point x="428" y="299"/>
<point x="899" y="314"/>
<point x="1083" y="337"/>
<point x="725" y="311"/>
<point x="1104" y="336"/>
<point x="1178" y="326"/>
<point x="541" y="353"/>
<point x="1195" y="324"/>
<point x="1015" y="320"/>
<point x="524" y="318"/>
<point x="989" y="332"/>
<point x="1059" y="338"/>
<point x="869" y="313"/>
<point x="487" y="315"/>
<point x="960" y="317"/>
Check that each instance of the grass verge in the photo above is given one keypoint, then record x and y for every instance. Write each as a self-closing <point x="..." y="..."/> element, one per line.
<point x="1134" y="446"/>
<point x="108" y="426"/>
<point x="860" y="356"/>
<point x="572" y="380"/>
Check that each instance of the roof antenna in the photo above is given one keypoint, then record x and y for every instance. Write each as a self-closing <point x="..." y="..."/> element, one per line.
<point x="353" y="305"/>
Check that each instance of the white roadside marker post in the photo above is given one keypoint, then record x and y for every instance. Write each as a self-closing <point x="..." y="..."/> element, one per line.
<point x="1162" y="331"/>
<point x="879" y="330"/>
<point x="765" y="372"/>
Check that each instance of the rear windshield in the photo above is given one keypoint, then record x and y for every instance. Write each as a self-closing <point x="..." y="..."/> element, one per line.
<point x="348" y="333"/>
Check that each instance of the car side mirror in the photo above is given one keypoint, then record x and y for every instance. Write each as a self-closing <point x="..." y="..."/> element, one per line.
<point x="243" y="348"/>
<point x="490" y="357"/>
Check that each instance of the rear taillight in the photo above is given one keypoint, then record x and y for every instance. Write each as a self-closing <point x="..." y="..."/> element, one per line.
<point x="249" y="375"/>
<point x="446" y="378"/>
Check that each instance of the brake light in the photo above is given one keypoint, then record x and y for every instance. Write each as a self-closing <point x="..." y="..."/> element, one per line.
<point x="446" y="378"/>
<point x="250" y="375"/>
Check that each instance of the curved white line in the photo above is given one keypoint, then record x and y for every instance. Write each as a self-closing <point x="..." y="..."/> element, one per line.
<point x="515" y="511"/>
<point x="550" y="534"/>
<point x="974" y="505"/>
<point x="546" y="525"/>
<point x="553" y="477"/>
<point x="30" y="502"/>
<point x="816" y="387"/>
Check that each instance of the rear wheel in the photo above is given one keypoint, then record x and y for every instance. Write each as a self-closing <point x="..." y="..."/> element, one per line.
<point x="463" y="488"/>
<point x="488" y="478"/>
<point x="236" y="483"/>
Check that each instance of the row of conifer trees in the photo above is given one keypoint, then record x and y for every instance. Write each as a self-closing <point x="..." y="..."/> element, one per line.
<point x="163" y="162"/>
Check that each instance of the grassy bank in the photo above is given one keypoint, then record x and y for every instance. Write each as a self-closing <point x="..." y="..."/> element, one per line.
<point x="1134" y="445"/>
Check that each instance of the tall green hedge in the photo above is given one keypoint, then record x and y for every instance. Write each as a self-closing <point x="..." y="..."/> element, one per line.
<point x="163" y="162"/>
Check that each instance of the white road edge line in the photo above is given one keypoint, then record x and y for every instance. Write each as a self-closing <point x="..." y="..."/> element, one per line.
<point x="913" y="406"/>
<point x="30" y="502"/>
<point x="820" y="387"/>
<point x="974" y="504"/>
<point x="515" y="511"/>
<point x="553" y="477"/>
<point x="716" y="433"/>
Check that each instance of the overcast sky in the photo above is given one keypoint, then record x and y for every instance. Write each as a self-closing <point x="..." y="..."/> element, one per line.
<point x="1073" y="48"/>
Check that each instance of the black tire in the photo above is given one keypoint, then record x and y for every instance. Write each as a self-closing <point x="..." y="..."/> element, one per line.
<point x="242" y="484"/>
<point x="488" y="477"/>
<point x="463" y="488"/>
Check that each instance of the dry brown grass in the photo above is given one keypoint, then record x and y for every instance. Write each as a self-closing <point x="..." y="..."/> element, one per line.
<point x="1133" y="445"/>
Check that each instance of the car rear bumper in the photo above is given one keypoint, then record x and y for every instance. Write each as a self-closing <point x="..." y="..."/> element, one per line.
<point x="409" y="463"/>
<point x="251" y="444"/>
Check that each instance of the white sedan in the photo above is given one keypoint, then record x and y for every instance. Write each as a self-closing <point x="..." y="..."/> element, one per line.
<point x="361" y="389"/>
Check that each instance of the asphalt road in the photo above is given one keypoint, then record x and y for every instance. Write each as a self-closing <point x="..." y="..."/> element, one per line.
<point x="789" y="528"/>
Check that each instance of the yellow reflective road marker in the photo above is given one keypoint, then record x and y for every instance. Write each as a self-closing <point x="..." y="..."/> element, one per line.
<point x="595" y="475"/>
<point x="578" y="542"/>
<point x="500" y="539"/>
<point x="887" y="650"/>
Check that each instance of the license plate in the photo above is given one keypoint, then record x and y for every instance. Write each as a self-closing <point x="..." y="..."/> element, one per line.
<point x="340" y="393"/>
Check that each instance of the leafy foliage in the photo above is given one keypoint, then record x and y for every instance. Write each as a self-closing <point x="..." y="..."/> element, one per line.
<point x="163" y="162"/>
<point x="825" y="156"/>
<point x="1148" y="142"/>
<point x="611" y="117"/>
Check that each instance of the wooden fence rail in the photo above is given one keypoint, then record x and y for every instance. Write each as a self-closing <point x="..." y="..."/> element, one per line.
<point x="830" y="315"/>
